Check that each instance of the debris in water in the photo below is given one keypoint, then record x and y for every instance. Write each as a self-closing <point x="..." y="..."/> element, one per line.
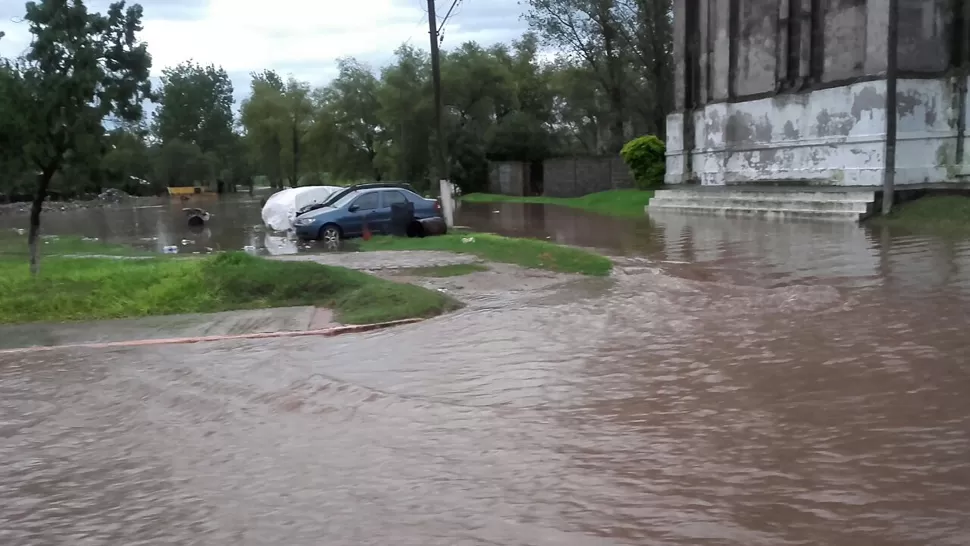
<point x="197" y="217"/>
<point x="112" y="195"/>
<point x="170" y="249"/>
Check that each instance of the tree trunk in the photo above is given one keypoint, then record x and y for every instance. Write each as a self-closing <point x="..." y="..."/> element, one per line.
<point x="33" y="231"/>
<point x="614" y="70"/>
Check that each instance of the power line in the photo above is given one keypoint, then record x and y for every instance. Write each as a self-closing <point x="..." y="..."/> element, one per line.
<point x="454" y="3"/>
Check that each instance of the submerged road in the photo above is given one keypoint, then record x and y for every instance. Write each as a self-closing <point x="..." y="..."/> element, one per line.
<point x="734" y="383"/>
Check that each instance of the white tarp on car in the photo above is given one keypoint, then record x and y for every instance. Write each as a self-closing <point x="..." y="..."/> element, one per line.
<point x="279" y="212"/>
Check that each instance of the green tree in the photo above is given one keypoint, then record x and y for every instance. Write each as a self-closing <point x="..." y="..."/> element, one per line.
<point x="14" y="169"/>
<point x="195" y="106"/>
<point x="80" y="68"/>
<point x="590" y="31"/>
<point x="406" y="114"/>
<point x="127" y="163"/>
<point x="277" y="118"/>
<point x="263" y="118"/>
<point x="181" y="163"/>
<point x="347" y="129"/>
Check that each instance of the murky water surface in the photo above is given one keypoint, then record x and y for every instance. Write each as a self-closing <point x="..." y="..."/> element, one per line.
<point x="739" y="383"/>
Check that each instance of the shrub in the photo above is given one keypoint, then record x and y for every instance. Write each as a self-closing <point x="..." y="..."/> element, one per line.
<point x="645" y="157"/>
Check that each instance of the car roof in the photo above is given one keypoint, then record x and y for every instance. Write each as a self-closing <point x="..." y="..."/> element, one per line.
<point x="367" y="188"/>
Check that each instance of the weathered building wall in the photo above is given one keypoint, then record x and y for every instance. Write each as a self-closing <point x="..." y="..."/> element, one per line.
<point x="774" y="90"/>
<point x="578" y="176"/>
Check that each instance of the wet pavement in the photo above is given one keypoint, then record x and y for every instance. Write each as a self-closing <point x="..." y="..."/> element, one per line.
<point x="736" y="382"/>
<point x="284" y="319"/>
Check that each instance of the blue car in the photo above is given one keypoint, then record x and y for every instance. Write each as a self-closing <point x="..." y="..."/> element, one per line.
<point x="345" y="216"/>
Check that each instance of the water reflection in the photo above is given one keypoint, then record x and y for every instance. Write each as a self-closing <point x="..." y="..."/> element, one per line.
<point x="745" y="251"/>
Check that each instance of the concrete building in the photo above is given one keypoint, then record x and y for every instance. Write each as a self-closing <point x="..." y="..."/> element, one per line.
<point x="795" y="91"/>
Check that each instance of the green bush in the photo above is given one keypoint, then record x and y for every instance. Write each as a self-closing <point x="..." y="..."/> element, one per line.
<point x="645" y="157"/>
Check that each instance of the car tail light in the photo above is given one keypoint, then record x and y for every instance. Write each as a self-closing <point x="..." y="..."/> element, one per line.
<point x="437" y="204"/>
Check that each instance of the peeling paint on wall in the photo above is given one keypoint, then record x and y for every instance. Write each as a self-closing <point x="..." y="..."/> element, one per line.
<point x="830" y="136"/>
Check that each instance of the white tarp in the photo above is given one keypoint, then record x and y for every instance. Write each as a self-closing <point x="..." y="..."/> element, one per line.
<point x="279" y="212"/>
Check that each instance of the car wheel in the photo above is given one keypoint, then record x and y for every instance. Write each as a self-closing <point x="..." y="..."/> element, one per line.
<point x="330" y="236"/>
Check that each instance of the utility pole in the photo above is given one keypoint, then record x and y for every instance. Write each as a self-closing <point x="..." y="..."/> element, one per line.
<point x="440" y="164"/>
<point x="892" y="76"/>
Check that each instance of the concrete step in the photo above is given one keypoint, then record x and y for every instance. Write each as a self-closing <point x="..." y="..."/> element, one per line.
<point x="826" y="203"/>
<point x="796" y="195"/>
<point x="765" y="212"/>
<point x="733" y="203"/>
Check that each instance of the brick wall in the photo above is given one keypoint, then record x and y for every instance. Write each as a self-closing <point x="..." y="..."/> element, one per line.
<point x="578" y="176"/>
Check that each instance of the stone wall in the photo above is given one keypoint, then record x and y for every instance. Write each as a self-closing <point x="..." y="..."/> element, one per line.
<point x="794" y="90"/>
<point x="578" y="176"/>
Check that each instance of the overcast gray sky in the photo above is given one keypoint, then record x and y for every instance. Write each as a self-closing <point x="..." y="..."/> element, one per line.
<point x="299" y="37"/>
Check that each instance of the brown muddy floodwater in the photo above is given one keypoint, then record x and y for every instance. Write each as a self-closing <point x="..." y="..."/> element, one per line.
<point x="737" y="382"/>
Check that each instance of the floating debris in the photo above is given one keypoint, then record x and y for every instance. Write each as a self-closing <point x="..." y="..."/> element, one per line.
<point x="197" y="217"/>
<point x="112" y="195"/>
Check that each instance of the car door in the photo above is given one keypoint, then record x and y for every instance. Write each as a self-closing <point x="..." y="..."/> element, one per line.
<point x="385" y="214"/>
<point x="361" y="212"/>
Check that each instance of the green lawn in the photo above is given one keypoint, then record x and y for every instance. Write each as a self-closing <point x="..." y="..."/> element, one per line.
<point x="625" y="203"/>
<point x="940" y="214"/>
<point x="70" y="289"/>
<point x="524" y="252"/>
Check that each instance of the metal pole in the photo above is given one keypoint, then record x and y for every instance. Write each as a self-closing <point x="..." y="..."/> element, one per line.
<point x="440" y="165"/>
<point x="889" y="176"/>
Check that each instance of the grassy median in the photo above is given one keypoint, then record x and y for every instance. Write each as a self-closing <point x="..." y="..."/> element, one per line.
<point x="494" y="248"/>
<point x="940" y="214"/>
<point x="69" y="289"/>
<point x="623" y="203"/>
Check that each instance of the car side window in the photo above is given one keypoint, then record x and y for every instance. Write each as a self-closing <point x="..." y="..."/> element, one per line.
<point x="368" y="201"/>
<point x="393" y="197"/>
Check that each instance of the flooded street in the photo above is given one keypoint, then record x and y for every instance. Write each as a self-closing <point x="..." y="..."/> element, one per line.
<point x="737" y="382"/>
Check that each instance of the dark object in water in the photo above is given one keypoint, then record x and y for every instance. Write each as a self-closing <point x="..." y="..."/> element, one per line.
<point x="427" y="227"/>
<point x="402" y="216"/>
<point x="197" y="216"/>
